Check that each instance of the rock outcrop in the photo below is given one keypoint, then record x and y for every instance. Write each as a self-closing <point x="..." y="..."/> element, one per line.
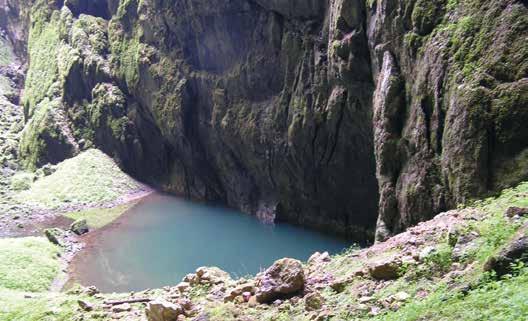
<point x="321" y="113"/>
<point x="79" y="227"/>
<point x="450" y="101"/>
<point x="515" y="252"/>
<point x="285" y="277"/>
<point x="163" y="311"/>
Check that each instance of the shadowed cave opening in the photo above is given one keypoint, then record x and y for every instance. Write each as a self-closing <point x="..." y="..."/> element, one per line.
<point x="96" y="8"/>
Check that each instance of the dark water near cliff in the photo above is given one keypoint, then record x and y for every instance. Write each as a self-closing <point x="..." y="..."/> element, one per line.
<point x="163" y="238"/>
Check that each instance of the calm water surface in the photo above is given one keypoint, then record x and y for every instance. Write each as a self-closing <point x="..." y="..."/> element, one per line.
<point x="163" y="238"/>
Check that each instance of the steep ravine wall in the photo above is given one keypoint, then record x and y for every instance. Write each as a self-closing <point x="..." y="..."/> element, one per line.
<point x="451" y="103"/>
<point x="293" y="109"/>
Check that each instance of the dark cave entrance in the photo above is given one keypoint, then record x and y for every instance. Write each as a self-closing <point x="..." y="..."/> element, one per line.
<point x="96" y="8"/>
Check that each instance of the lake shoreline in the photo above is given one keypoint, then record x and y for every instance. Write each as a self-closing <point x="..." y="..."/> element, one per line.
<point x="162" y="238"/>
<point x="75" y="244"/>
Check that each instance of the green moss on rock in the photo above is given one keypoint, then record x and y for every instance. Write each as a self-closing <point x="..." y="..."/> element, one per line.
<point x="126" y="50"/>
<point x="22" y="181"/>
<point x="426" y="14"/>
<point x="43" y="44"/>
<point x="510" y="114"/>
<point x="6" y="52"/>
<point x="43" y="139"/>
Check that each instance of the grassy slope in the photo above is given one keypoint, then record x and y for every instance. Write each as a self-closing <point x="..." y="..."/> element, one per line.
<point x="91" y="178"/>
<point x="503" y="300"/>
<point x="14" y="306"/>
<point x="28" y="267"/>
<point x="99" y="217"/>
<point x="494" y="300"/>
<point x="489" y="298"/>
<point x="497" y="300"/>
<point x="28" y="264"/>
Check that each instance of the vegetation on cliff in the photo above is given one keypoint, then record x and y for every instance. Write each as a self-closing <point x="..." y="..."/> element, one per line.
<point x="455" y="108"/>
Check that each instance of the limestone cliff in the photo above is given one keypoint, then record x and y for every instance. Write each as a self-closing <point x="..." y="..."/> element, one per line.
<point x="451" y="103"/>
<point x="291" y="109"/>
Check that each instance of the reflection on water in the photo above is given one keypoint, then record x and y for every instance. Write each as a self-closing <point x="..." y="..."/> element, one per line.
<point x="163" y="238"/>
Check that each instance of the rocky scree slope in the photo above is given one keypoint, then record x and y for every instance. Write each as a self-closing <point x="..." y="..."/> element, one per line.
<point x="320" y="113"/>
<point x="465" y="264"/>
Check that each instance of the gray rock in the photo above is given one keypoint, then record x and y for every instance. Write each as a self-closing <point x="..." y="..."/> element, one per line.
<point x="85" y="305"/>
<point x="516" y="211"/>
<point x="121" y="308"/>
<point x="386" y="269"/>
<point x="515" y="250"/>
<point x="313" y="301"/>
<point x="54" y="235"/>
<point x="285" y="277"/>
<point x="161" y="310"/>
<point x="211" y="275"/>
<point x="80" y="227"/>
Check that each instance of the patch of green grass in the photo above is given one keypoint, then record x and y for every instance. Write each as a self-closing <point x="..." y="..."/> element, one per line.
<point x="497" y="230"/>
<point x="14" y="306"/>
<point x="501" y="300"/>
<point x="441" y="258"/>
<point x="91" y="178"/>
<point x="343" y="263"/>
<point x="99" y="217"/>
<point x="28" y="264"/>
<point x="22" y="181"/>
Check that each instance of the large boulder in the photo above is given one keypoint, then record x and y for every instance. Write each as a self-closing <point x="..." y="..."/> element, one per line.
<point x="161" y="310"/>
<point x="211" y="275"/>
<point x="516" y="211"/>
<point x="515" y="250"/>
<point x="79" y="227"/>
<point x="285" y="277"/>
<point x="385" y="269"/>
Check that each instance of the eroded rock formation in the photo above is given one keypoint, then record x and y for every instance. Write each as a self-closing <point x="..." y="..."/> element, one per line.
<point x="302" y="111"/>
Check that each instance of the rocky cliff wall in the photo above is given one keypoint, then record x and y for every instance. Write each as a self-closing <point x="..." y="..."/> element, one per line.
<point x="450" y="105"/>
<point x="294" y="110"/>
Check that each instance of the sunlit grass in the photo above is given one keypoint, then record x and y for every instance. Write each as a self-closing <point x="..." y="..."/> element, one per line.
<point x="18" y="306"/>
<point x="28" y="264"/>
<point x="91" y="178"/>
<point x="99" y="217"/>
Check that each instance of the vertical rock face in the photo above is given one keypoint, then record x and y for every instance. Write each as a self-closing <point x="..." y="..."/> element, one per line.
<point x="450" y="105"/>
<point x="264" y="106"/>
<point x="287" y="109"/>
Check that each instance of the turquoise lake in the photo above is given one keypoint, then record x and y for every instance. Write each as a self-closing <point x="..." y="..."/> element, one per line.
<point x="163" y="238"/>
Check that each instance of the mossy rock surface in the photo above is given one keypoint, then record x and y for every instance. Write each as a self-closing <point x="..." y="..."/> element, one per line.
<point x="44" y="138"/>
